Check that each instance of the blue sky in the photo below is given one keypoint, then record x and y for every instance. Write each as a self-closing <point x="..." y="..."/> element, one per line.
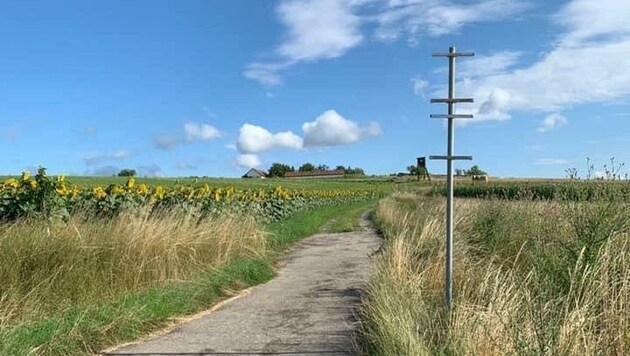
<point x="180" y="88"/>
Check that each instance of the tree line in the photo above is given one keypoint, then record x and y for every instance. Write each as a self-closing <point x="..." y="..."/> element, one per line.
<point x="280" y="169"/>
<point x="473" y="171"/>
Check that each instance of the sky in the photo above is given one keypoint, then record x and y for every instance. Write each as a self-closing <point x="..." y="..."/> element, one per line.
<point x="212" y="88"/>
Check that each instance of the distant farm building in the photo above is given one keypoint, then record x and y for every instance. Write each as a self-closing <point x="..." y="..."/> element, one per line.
<point x="255" y="173"/>
<point x="480" y="177"/>
<point x="316" y="174"/>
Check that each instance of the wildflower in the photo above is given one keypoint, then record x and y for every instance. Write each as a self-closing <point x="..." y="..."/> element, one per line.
<point x="131" y="182"/>
<point x="117" y="190"/>
<point x="11" y="183"/>
<point x="142" y="189"/>
<point x="62" y="190"/>
<point x="159" y="192"/>
<point x="99" y="192"/>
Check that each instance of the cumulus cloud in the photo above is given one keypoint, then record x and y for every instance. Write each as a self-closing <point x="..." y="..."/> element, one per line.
<point x="332" y="129"/>
<point x="578" y="17"/>
<point x="99" y="158"/>
<point x="192" y="132"/>
<point x="256" y="139"/>
<point x="551" y="122"/>
<point x="318" y="29"/>
<point x="202" y="132"/>
<point x="324" y="29"/>
<point x="495" y="106"/>
<point x="248" y="160"/>
<point x="328" y="129"/>
<point x="579" y="69"/>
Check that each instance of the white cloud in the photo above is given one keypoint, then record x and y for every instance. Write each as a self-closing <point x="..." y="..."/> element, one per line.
<point x="588" y="64"/>
<point x="550" y="162"/>
<point x="551" y="122"/>
<point x="495" y="106"/>
<point x="332" y="129"/>
<point x="419" y="85"/>
<point x="318" y="29"/>
<point x="589" y="19"/>
<point x="203" y="132"/>
<point x="192" y="132"/>
<point x="265" y="73"/>
<point x="328" y="129"/>
<point x="563" y="77"/>
<point x="492" y="64"/>
<point x="99" y="158"/>
<point x="248" y="160"/>
<point x="438" y="17"/>
<point x="325" y="29"/>
<point x="256" y="139"/>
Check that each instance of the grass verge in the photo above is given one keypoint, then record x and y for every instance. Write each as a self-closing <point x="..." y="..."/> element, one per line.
<point x="531" y="278"/>
<point x="92" y="326"/>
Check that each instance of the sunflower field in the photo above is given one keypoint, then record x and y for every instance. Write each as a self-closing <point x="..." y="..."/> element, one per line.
<point x="42" y="196"/>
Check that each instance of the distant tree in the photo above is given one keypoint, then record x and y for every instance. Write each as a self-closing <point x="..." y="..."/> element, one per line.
<point x="279" y="169"/>
<point x="127" y="172"/>
<point x="417" y="171"/>
<point x="340" y="168"/>
<point x="475" y="171"/>
<point x="354" y="171"/>
<point x="323" y="167"/>
<point x="306" y="167"/>
<point x="459" y="172"/>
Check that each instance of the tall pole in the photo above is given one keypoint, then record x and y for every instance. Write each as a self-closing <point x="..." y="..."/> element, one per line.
<point x="448" y="286"/>
<point x="450" y="157"/>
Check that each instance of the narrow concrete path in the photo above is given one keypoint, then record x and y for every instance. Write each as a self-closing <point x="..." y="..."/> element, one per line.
<point x="309" y="308"/>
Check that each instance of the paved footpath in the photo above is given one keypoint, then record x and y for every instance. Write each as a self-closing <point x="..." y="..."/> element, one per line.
<point x="308" y="309"/>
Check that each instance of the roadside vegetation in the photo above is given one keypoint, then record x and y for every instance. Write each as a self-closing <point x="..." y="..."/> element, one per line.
<point x="532" y="277"/>
<point x="78" y="276"/>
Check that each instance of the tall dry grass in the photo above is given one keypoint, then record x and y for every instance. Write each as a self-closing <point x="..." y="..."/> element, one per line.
<point x="47" y="268"/>
<point x="530" y="278"/>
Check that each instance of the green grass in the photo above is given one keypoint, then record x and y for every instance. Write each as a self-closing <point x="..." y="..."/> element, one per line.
<point x="349" y="221"/>
<point x="331" y="219"/>
<point x="530" y="278"/>
<point x="91" y="327"/>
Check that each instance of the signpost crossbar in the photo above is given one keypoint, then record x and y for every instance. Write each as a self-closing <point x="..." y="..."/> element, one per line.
<point x="451" y="116"/>
<point x="463" y="158"/>
<point x="453" y="54"/>
<point x="453" y="100"/>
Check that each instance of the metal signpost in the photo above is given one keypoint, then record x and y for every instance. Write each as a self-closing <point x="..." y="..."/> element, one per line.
<point x="450" y="101"/>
